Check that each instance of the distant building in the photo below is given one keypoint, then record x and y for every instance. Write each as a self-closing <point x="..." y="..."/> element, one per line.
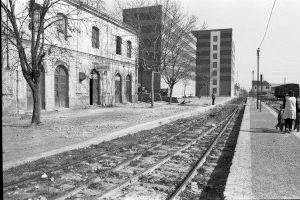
<point x="215" y="67"/>
<point x="266" y="89"/>
<point x="273" y="86"/>
<point x="151" y="20"/>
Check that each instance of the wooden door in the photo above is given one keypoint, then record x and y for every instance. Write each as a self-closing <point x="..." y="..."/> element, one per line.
<point x="128" y="88"/>
<point x="61" y="89"/>
<point x="94" y="88"/>
<point x="118" y="89"/>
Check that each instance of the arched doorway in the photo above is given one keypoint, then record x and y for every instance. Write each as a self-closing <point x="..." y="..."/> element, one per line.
<point x="128" y="88"/>
<point x="94" y="87"/>
<point x="118" y="88"/>
<point x="42" y="92"/>
<point x="61" y="87"/>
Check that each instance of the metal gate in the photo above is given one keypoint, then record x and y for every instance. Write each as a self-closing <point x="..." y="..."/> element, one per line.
<point x="128" y="88"/>
<point x="61" y="87"/>
<point x="94" y="88"/>
<point x="118" y="88"/>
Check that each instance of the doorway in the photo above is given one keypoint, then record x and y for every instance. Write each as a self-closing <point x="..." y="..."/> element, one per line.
<point x="118" y="88"/>
<point x="61" y="88"/>
<point x="95" y="88"/>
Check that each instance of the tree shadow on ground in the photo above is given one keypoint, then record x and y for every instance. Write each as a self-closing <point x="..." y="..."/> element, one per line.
<point x="262" y="130"/>
<point x="17" y="125"/>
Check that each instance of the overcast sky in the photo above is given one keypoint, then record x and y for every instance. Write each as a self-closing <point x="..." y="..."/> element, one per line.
<point x="280" y="51"/>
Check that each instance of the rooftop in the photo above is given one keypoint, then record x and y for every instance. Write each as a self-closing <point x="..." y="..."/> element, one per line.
<point x="264" y="83"/>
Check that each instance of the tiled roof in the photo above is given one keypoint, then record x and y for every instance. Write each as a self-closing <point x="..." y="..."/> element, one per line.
<point x="264" y="83"/>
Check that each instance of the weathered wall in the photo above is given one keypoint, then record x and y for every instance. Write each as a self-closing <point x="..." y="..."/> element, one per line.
<point x="78" y="56"/>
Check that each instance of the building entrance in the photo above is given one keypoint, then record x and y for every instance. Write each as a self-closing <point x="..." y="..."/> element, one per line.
<point x="118" y="89"/>
<point x="95" y="88"/>
<point x="61" y="88"/>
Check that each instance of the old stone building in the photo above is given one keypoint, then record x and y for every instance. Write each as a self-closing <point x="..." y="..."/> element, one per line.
<point x="91" y="59"/>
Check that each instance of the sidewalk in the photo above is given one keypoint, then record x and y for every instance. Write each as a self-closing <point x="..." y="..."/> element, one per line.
<point x="266" y="164"/>
<point x="71" y="129"/>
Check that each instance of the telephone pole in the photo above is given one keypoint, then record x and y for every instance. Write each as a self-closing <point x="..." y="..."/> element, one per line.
<point x="257" y="86"/>
<point x="261" y="85"/>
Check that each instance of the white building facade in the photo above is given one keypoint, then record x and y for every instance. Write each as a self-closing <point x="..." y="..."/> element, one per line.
<point x="92" y="61"/>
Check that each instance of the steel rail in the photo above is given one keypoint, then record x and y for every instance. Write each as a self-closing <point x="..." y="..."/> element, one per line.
<point x="126" y="162"/>
<point x="35" y="176"/>
<point x="201" y="161"/>
<point x="119" y="166"/>
<point x="156" y="165"/>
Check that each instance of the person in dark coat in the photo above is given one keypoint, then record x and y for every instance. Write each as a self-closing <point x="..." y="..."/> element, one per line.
<point x="213" y="97"/>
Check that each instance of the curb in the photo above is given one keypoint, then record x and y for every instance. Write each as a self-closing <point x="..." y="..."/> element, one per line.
<point x="238" y="184"/>
<point x="113" y="135"/>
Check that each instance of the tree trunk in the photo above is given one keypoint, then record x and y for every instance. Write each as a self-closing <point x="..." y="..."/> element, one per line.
<point x="36" y="113"/>
<point x="171" y="92"/>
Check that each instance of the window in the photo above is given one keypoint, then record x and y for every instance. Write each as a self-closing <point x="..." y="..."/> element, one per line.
<point x="215" y="64"/>
<point x="215" y="82"/>
<point x="215" y="56"/>
<point x="267" y="87"/>
<point x="62" y="24"/>
<point x="215" y="38"/>
<point x="215" y="90"/>
<point x="129" y="47"/>
<point x="118" y="45"/>
<point x="35" y="21"/>
<point x="215" y="73"/>
<point x="215" y="47"/>
<point x="95" y="37"/>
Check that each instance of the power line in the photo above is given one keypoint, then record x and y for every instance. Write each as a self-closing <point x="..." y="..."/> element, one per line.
<point x="268" y="24"/>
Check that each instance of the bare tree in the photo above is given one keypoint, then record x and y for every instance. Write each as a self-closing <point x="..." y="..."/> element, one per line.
<point x="164" y="45"/>
<point x="30" y="30"/>
<point x="177" y="60"/>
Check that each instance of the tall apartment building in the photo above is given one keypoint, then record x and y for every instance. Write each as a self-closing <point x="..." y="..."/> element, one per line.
<point x="152" y="23"/>
<point x="215" y="68"/>
<point x="148" y="20"/>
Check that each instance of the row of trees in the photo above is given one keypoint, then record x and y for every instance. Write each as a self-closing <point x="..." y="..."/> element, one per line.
<point x="32" y="44"/>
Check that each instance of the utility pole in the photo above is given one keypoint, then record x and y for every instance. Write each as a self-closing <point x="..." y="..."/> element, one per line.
<point x="152" y="88"/>
<point x="257" y="86"/>
<point x="261" y="89"/>
<point x="252" y="89"/>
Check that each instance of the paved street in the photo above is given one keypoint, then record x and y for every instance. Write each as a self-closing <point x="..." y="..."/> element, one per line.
<point x="267" y="162"/>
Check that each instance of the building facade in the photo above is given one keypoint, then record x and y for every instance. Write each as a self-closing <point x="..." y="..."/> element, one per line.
<point x="152" y="24"/>
<point x="266" y="87"/>
<point x="215" y="67"/>
<point x="90" y="62"/>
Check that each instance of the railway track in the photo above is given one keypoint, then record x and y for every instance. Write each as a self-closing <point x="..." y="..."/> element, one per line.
<point x="275" y="105"/>
<point x="124" y="161"/>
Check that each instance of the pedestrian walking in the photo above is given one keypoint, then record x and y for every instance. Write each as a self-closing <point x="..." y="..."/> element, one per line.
<point x="297" y="122"/>
<point x="290" y="106"/>
<point x="213" y="96"/>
